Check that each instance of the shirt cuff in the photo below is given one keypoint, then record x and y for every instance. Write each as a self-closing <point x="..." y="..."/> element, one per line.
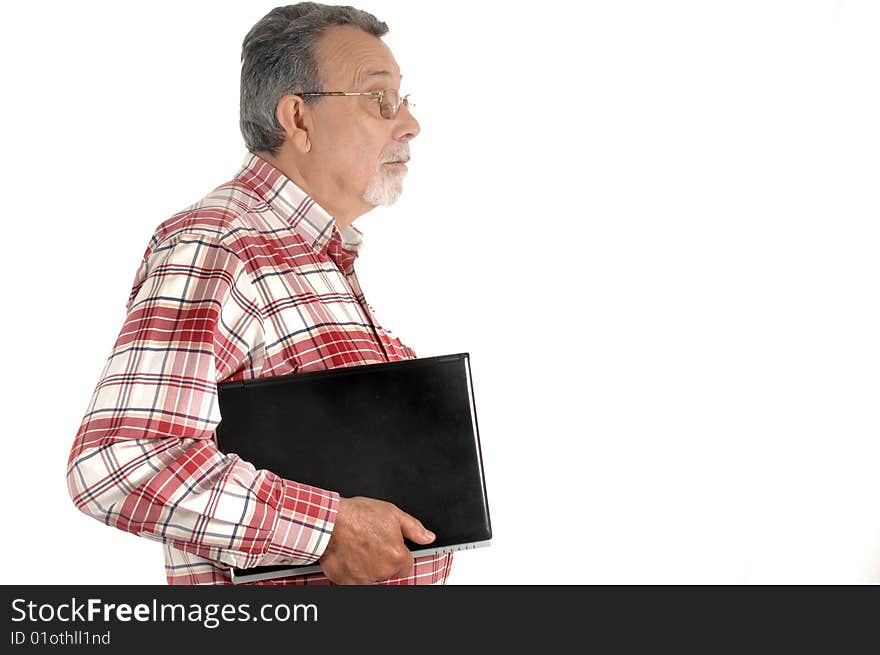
<point x="306" y="517"/>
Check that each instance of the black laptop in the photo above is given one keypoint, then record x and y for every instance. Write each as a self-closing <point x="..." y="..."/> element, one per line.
<point x="404" y="432"/>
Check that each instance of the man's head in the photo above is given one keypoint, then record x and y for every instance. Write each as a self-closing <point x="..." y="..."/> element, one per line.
<point x="340" y="149"/>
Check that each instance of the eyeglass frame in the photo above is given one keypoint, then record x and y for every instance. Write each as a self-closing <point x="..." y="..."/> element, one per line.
<point x="380" y="95"/>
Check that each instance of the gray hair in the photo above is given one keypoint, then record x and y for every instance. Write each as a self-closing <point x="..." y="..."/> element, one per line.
<point x="278" y="58"/>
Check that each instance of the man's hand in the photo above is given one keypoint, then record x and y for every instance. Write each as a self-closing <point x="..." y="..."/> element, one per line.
<point x="367" y="542"/>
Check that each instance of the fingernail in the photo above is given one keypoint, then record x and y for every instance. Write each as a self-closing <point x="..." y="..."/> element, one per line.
<point x="429" y="534"/>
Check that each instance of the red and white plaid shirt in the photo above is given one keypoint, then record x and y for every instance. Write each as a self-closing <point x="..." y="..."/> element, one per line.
<point x="253" y="281"/>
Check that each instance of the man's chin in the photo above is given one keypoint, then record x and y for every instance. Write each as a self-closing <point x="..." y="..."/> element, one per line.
<point x="383" y="197"/>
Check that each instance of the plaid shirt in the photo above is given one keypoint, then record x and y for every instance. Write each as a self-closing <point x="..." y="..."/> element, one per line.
<point x="253" y="281"/>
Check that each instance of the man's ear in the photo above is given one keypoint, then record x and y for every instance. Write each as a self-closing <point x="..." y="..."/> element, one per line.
<point x="292" y="115"/>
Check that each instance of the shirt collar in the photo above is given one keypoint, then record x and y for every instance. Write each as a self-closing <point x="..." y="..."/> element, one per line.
<point x="296" y="207"/>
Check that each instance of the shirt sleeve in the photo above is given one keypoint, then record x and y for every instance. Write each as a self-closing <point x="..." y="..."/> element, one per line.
<point x="145" y="460"/>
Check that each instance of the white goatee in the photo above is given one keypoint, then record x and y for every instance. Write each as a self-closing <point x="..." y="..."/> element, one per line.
<point x="386" y="185"/>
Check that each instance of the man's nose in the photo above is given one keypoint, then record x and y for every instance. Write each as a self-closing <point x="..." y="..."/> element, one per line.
<point x="408" y="127"/>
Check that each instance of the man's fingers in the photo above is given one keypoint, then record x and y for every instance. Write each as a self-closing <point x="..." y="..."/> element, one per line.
<point x="367" y="542"/>
<point x="413" y="529"/>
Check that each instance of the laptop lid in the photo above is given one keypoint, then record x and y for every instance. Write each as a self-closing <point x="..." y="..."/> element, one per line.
<point x="405" y="432"/>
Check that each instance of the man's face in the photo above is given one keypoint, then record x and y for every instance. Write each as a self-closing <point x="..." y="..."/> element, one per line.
<point x="360" y="152"/>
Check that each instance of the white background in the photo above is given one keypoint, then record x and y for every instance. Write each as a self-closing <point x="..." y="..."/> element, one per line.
<point x="654" y="226"/>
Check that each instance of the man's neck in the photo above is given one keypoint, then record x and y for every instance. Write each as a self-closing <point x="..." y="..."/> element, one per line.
<point x="342" y="216"/>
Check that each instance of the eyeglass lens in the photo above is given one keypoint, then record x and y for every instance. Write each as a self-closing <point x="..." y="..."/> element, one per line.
<point x="390" y="103"/>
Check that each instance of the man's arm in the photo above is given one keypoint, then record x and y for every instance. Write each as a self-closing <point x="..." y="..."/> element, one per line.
<point x="144" y="459"/>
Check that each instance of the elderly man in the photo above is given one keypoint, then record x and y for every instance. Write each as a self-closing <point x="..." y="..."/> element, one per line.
<point x="255" y="280"/>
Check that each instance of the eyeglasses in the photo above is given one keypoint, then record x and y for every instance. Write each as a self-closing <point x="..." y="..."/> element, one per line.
<point x="390" y="101"/>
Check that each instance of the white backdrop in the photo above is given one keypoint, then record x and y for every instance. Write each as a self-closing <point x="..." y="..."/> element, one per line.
<point x="654" y="226"/>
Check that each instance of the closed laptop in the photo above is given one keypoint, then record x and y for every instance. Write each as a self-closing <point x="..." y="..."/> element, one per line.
<point x="405" y="432"/>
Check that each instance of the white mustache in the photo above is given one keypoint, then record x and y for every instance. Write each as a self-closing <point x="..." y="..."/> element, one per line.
<point x="396" y="154"/>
